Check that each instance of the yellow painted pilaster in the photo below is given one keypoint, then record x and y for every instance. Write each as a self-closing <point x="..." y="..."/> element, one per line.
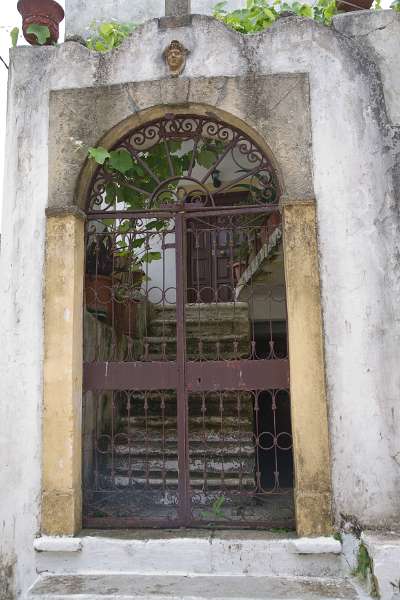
<point x="62" y="410"/>
<point x="307" y="371"/>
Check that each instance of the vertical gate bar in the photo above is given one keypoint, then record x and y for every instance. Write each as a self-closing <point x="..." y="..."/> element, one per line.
<point x="182" y="402"/>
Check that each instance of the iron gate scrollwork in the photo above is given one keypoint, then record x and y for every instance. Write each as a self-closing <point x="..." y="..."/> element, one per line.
<point x="186" y="373"/>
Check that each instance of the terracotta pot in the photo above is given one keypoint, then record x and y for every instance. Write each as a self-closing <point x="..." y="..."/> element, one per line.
<point x="354" y="5"/>
<point x="41" y="12"/>
<point x="98" y="291"/>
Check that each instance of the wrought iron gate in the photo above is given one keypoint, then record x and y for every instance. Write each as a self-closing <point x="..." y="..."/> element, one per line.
<point x="186" y="407"/>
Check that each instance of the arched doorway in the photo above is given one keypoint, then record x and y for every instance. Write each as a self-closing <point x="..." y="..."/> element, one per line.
<point x="186" y="374"/>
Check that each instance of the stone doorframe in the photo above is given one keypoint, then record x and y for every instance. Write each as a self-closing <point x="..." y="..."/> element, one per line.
<point x="63" y="364"/>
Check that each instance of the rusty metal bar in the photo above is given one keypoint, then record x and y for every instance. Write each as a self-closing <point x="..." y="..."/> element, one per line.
<point x="130" y="375"/>
<point x="182" y="407"/>
<point x="243" y="375"/>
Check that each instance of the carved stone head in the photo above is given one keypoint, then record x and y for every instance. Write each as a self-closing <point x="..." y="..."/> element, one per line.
<point x="175" y="57"/>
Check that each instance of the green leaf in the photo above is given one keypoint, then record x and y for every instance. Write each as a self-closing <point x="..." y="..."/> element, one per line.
<point x="106" y="28"/>
<point x="111" y="193"/>
<point x="14" y="34"/>
<point x="206" y="158"/>
<point x="271" y="15"/>
<point x="152" y="224"/>
<point x="137" y="169"/>
<point x="42" y="32"/>
<point x="138" y="243"/>
<point x="220" y="7"/>
<point x="106" y="36"/>
<point x="306" y="11"/>
<point x="99" y="154"/>
<point x="150" y="256"/>
<point x="121" y="160"/>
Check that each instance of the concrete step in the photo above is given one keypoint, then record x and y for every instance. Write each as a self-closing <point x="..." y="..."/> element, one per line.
<point x="138" y="466"/>
<point x="164" y="587"/>
<point x="213" y="450"/>
<point x="211" y="423"/>
<point x="171" y="481"/>
<point x="200" y="343"/>
<point x="204" y="311"/>
<point x="167" y="328"/>
<point x="157" y="404"/>
<point x="196" y="438"/>
<point x="191" y="552"/>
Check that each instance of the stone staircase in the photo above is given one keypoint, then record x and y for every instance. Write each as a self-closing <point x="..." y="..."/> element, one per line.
<point x="221" y="448"/>
<point x="197" y="565"/>
<point x="213" y="332"/>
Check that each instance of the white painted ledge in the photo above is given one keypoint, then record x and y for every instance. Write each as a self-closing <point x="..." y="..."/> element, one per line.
<point x="57" y="544"/>
<point x="320" y="545"/>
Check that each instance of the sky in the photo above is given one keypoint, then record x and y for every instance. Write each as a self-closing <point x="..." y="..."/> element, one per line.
<point x="9" y="18"/>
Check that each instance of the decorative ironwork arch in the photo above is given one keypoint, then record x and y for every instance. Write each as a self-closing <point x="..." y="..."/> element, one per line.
<point x="182" y="161"/>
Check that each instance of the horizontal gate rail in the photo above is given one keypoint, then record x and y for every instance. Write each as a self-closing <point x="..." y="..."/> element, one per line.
<point x="121" y="376"/>
<point x="189" y="212"/>
<point x="243" y="375"/>
<point x="210" y="376"/>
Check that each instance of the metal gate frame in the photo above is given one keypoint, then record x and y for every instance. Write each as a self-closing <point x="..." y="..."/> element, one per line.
<point x="183" y="375"/>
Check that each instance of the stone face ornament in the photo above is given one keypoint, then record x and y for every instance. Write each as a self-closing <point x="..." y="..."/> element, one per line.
<point x="175" y="57"/>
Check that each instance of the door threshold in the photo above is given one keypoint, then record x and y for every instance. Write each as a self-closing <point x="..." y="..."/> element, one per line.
<point x="209" y="533"/>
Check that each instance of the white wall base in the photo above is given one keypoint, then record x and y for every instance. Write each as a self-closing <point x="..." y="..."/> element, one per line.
<point x="384" y="551"/>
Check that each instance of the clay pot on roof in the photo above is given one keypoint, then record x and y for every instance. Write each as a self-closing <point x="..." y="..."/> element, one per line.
<point x="47" y="13"/>
<point x="350" y="5"/>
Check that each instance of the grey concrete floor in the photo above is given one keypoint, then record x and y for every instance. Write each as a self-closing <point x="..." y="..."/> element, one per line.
<point x="130" y="587"/>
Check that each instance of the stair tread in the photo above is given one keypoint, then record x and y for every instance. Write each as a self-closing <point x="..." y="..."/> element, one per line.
<point x="136" y="452"/>
<point x="205" y="338"/>
<point x="214" y="480"/>
<point x="204" y="306"/>
<point x="208" y="587"/>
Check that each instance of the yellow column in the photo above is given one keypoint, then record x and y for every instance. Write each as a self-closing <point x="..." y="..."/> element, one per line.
<point x="62" y="410"/>
<point x="307" y="370"/>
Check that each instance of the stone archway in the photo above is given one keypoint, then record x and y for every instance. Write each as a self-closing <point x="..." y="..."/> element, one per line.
<point x="62" y="422"/>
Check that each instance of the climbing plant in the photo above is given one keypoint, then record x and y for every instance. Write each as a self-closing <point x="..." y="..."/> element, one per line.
<point x="127" y="170"/>
<point x="107" y="36"/>
<point x="130" y="184"/>
<point x="261" y="14"/>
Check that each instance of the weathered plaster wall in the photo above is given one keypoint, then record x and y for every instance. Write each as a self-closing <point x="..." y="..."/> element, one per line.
<point x="354" y="150"/>
<point x="377" y="33"/>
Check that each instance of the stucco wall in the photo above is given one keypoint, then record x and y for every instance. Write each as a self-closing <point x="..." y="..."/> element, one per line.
<point x="355" y="145"/>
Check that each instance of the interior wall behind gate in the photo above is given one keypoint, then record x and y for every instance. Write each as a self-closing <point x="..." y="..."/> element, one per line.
<point x="355" y="133"/>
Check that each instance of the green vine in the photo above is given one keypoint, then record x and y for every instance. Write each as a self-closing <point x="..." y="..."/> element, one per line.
<point x="261" y="14"/>
<point x="107" y="36"/>
<point x="364" y="570"/>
